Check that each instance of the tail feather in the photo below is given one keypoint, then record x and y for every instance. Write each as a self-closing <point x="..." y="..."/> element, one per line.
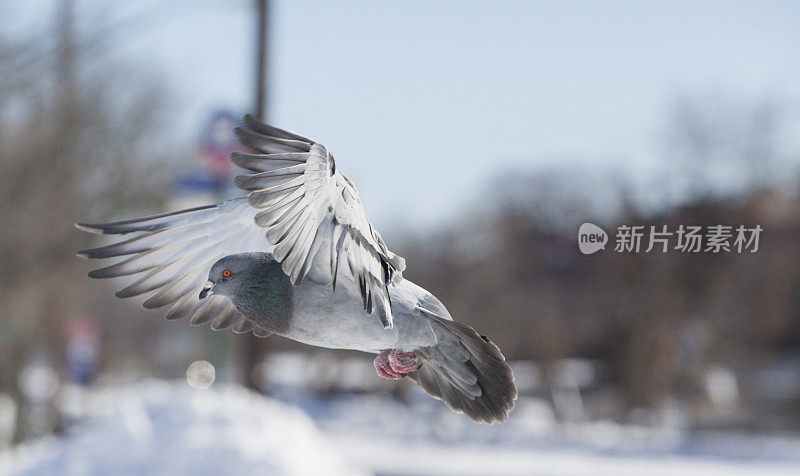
<point x="466" y="371"/>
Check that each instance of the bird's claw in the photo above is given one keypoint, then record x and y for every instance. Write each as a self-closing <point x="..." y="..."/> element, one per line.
<point x="392" y="364"/>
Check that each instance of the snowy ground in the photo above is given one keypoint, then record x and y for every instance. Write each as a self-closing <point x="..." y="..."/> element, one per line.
<point x="424" y="438"/>
<point x="158" y="427"/>
<point x="397" y="457"/>
<point x="168" y="428"/>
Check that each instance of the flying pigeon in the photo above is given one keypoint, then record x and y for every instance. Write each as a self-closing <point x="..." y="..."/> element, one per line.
<point x="297" y="257"/>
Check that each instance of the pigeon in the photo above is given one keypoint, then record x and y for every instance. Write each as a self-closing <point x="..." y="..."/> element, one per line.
<point x="297" y="257"/>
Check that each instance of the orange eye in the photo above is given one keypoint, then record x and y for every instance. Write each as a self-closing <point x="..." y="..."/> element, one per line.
<point x="226" y="273"/>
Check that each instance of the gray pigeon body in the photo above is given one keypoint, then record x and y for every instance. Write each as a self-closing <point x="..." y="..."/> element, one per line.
<point x="314" y="313"/>
<point x="460" y="366"/>
<point x="298" y="258"/>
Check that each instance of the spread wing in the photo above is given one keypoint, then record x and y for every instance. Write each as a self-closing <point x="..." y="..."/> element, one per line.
<point x="313" y="214"/>
<point x="172" y="254"/>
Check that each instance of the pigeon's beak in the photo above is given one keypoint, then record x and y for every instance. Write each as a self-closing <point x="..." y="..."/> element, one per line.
<point x="207" y="289"/>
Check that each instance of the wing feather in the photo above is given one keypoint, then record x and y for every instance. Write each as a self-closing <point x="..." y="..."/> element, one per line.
<point x="226" y="318"/>
<point x="256" y="162"/>
<point x="242" y="326"/>
<point x="299" y="207"/>
<point x="309" y="203"/>
<point x="173" y="254"/>
<point x="208" y="310"/>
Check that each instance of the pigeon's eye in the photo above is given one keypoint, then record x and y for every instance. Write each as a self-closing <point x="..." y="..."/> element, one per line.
<point x="226" y="273"/>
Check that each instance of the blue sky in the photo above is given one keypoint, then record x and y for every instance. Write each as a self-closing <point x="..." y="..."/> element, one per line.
<point x="423" y="101"/>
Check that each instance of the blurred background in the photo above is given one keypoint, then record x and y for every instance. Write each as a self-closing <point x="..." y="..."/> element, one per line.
<point x="480" y="135"/>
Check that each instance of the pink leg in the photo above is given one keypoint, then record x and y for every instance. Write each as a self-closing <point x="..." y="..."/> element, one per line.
<point x="383" y="367"/>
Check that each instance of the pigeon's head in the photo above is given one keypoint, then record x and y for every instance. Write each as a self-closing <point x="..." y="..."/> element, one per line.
<point x="234" y="272"/>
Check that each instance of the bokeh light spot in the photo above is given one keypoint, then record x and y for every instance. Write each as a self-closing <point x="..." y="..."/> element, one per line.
<point x="200" y="374"/>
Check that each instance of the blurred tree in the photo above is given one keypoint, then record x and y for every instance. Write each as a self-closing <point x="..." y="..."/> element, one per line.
<point x="80" y="136"/>
<point x="723" y="146"/>
<point x="657" y="322"/>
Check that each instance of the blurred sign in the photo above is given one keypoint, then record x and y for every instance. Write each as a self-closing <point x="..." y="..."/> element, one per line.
<point x="191" y="184"/>
<point x="217" y="141"/>
<point x="83" y="342"/>
<point x="212" y="182"/>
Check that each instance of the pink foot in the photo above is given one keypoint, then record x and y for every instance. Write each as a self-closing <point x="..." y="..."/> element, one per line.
<point x="403" y="362"/>
<point x="383" y="368"/>
<point x="392" y="364"/>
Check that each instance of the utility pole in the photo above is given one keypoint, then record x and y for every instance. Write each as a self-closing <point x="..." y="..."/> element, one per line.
<point x="253" y="347"/>
<point x="262" y="7"/>
<point x="65" y="130"/>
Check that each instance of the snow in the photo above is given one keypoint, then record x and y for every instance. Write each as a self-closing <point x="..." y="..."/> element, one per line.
<point x="158" y="427"/>
<point x="423" y="437"/>
<point x="421" y="458"/>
